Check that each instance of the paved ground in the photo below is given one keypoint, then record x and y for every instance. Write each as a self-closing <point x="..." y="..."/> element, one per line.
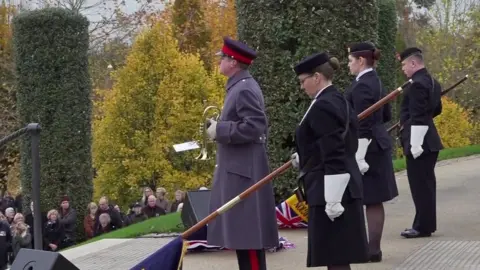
<point x="456" y="245"/>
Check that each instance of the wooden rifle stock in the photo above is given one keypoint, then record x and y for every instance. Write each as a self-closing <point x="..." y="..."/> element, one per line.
<point x="444" y="92"/>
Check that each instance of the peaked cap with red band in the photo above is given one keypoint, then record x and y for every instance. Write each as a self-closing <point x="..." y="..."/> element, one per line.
<point x="238" y="51"/>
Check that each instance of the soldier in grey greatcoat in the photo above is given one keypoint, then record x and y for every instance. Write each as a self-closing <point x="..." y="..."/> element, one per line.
<point x="249" y="227"/>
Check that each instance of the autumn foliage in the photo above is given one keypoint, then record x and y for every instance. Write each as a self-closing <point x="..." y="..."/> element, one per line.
<point x="157" y="101"/>
<point x="454" y="125"/>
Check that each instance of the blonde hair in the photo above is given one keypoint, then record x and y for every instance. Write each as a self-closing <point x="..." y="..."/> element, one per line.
<point x="91" y="205"/>
<point x="181" y="193"/>
<point x="52" y="212"/>
<point x="18" y="216"/>
<point x="162" y="190"/>
<point x="21" y="226"/>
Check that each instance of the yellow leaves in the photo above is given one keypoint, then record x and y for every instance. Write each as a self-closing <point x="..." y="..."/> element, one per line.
<point x="454" y="125"/>
<point x="157" y="101"/>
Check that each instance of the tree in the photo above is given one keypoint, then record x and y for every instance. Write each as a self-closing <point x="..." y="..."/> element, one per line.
<point x="453" y="124"/>
<point x="190" y="29"/>
<point x="9" y="155"/>
<point x="157" y="101"/>
<point x="54" y="90"/>
<point x="451" y="45"/>
<point x="221" y="19"/>
<point x="283" y="33"/>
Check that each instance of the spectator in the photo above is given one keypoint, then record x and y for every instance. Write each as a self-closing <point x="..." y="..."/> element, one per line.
<point x="68" y="219"/>
<point x="152" y="210"/>
<point x="123" y="217"/>
<point x="105" y="224"/>
<point x="162" y="202"/>
<point x="21" y="238"/>
<point x="7" y="202"/>
<point x="137" y="215"/>
<point x="89" y="220"/>
<point x="5" y="242"/>
<point x="104" y="207"/>
<point x="179" y="197"/>
<point x="19" y="201"/>
<point x="146" y="193"/>
<point x="54" y="232"/>
<point x="10" y="214"/>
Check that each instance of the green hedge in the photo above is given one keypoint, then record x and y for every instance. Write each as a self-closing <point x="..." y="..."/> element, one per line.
<point x="54" y="90"/>
<point x="387" y="34"/>
<point x="283" y="32"/>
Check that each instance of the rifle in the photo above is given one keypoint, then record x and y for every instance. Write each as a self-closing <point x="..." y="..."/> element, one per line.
<point x="444" y="92"/>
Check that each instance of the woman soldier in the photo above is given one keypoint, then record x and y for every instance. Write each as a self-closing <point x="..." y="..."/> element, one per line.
<point x="374" y="154"/>
<point x="326" y="142"/>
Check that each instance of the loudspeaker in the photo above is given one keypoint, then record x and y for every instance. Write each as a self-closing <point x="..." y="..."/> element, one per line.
<point x="34" y="259"/>
<point x="195" y="207"/>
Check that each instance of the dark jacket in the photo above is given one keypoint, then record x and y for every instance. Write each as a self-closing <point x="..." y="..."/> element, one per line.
<point x="134" y="218"/>
<point x="361" y="95"/>
<point x="101" y="230"/>
<point x="115" y="218"/>
<point x="54" y="233"/>
<point x="68" y="220"/>
<point x="421" y="103"/>
<point x="319" y="138"/>
<point x="5" y="243"/>
<point x="153" y="211"/>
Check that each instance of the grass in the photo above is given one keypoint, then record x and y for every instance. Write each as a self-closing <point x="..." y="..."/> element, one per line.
<point x="173" y="222"/>
<point x="450" y="153"/>
<point x="163" y="224"/>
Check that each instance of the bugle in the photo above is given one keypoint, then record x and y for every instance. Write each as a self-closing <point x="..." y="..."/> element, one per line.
<point x="204" y="154"/>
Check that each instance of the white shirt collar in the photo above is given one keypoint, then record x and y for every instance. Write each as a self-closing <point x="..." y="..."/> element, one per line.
<point x="363" y="72"/>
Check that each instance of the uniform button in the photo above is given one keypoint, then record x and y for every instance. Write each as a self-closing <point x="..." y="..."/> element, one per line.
<point x="216" y="165"/>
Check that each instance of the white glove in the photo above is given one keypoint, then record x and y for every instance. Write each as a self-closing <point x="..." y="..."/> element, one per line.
<point x="295" y="160"/>
<point x="361" y="153"/>
<point x="334" y="188"/>
<point x="416" y="140"/>
<point x="212" y="129"/>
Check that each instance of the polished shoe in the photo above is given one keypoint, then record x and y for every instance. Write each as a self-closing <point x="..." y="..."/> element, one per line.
<point x="376" y="257"/>
<point x="412" y="233"/>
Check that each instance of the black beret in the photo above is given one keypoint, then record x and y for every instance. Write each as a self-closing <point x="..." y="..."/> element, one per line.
<point x="409" y="52"/>
<point x="309" y="63"/>
<point x="361" y="47"/>
<point x="237" y="50"/>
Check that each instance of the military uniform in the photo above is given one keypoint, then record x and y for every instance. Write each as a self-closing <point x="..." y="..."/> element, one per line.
<point x="241" y="134"/>
<point x="326" y="141"/>
<point x="421" y="103"/>
<point x="379" y="183"/>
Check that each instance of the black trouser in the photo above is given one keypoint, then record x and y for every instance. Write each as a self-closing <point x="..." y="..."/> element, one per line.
<point x="423" y="185"/>
<point x="251" y="259"/>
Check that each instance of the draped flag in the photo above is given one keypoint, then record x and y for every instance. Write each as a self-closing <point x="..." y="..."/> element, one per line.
<point x="292" y="214"/>
<point x="169" y="257"/>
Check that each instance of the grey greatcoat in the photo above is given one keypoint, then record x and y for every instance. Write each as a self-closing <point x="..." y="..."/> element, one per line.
<point x="241" y="162"/>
